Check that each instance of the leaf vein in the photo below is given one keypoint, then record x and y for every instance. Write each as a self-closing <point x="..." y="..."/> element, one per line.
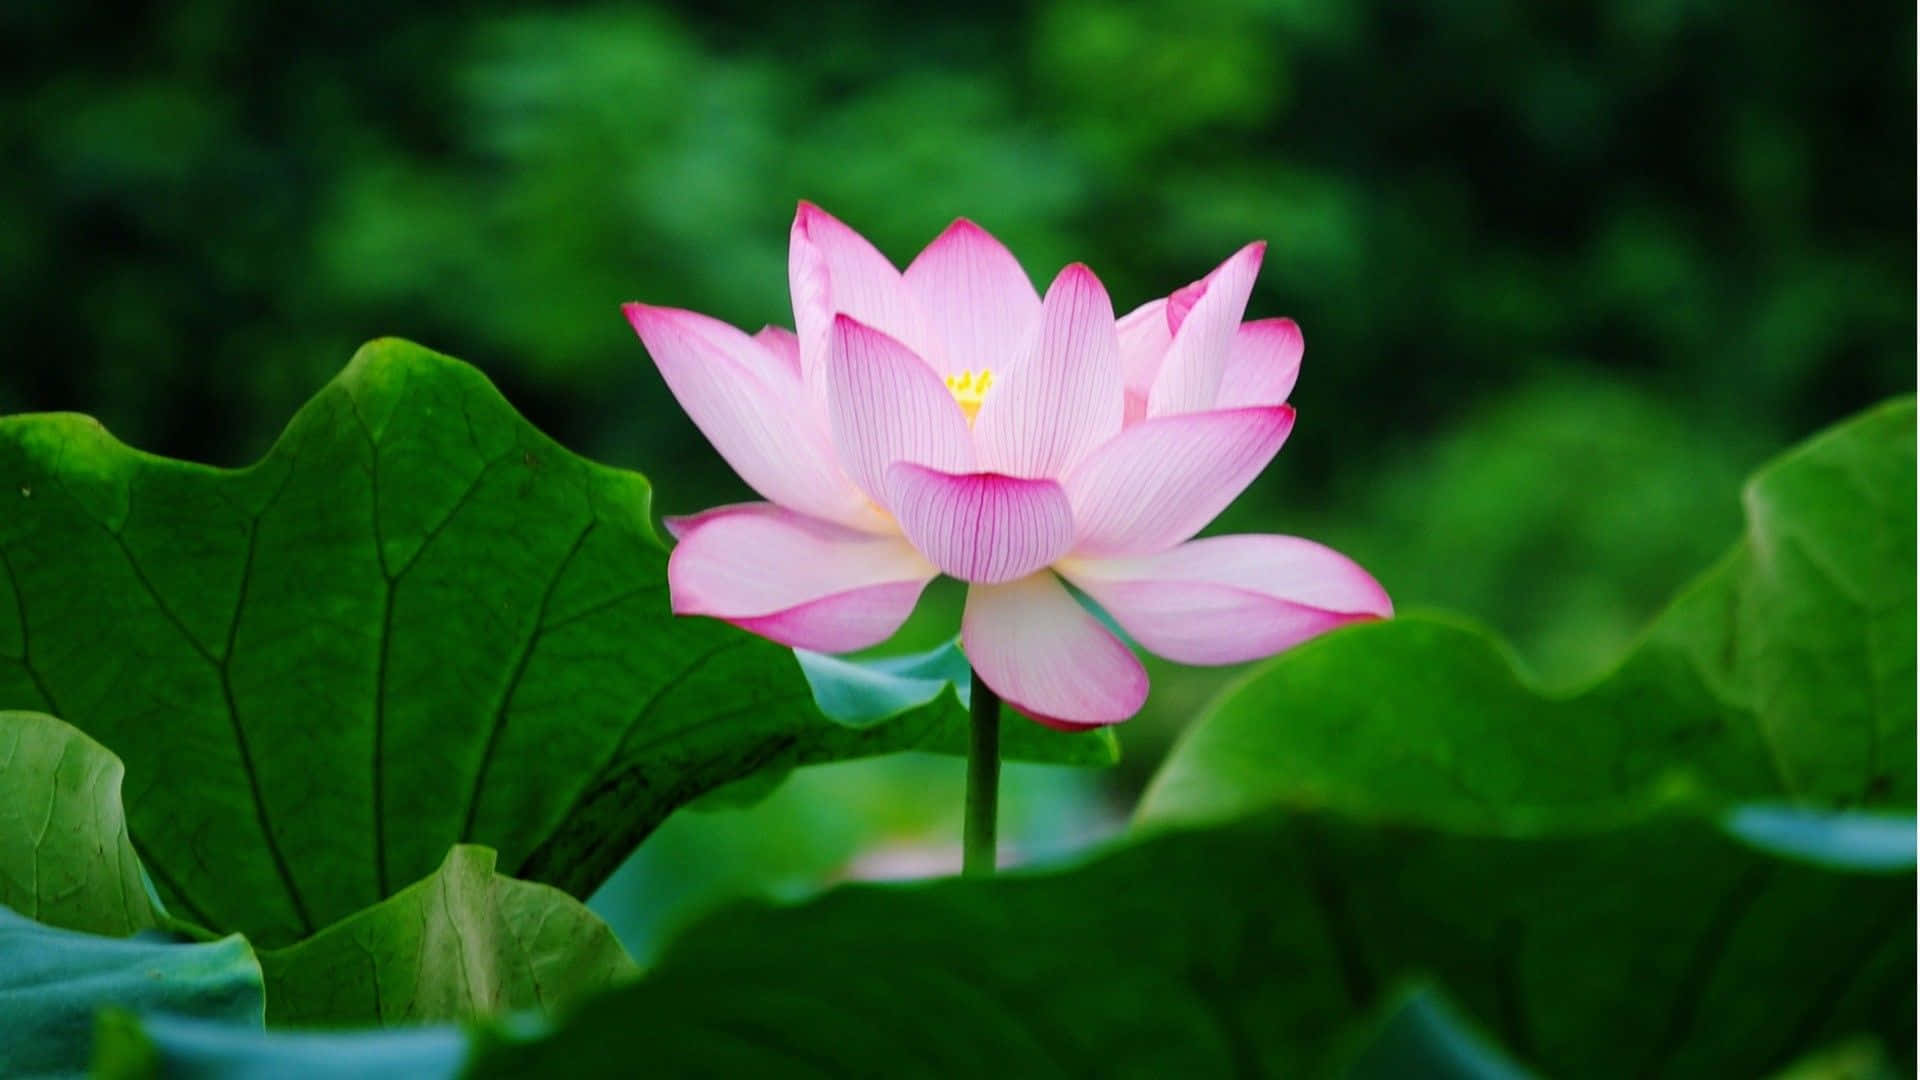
<point x="26" y="642"/>
<point x="225" y="671"/>
<point x="514" y="675"/>
<point x="1734" y="906"/>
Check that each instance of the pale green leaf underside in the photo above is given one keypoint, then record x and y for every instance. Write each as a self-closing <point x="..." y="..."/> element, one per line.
<point x="417" y="622"/>
<point x="464" y="942"/>
<point x="1784" y="675"/>
<point x="65" y="859"/>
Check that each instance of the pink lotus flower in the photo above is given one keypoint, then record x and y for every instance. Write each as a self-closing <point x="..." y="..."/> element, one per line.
<point x="950" y="420"/>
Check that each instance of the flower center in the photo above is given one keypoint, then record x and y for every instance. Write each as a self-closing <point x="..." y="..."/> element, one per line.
<point x="970" y="389"/>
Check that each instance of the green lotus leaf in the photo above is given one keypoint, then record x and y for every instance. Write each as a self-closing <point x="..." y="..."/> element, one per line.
<point x="65" y="859"/>
<point x="1785" y="675"/>
<point x="1266" y="947"/>
<point x="464" y="942"/>
<point x="417" y="622"/>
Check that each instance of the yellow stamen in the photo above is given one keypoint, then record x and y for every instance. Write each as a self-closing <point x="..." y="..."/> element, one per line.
<point x="970" y="389"/>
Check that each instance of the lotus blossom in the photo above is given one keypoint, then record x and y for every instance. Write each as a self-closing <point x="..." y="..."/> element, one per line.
<point x="949" y="419"/>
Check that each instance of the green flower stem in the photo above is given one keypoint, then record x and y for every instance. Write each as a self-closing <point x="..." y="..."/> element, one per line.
<point x="983" y="781"/>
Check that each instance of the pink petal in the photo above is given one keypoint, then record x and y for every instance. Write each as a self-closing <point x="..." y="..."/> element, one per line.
<point x="1264" y="364"/>
<point x="1228" y="599"/>
<point x="802" y="582"/>
<point x="872" y="519"/>
<point x="679" y="525"/>
<point x="781" y="342"/>
<point x="833" y="270"/>
<point x="1189" y="378"/>
<point x="1064" y="396"/>
<point x="977" y="299"/>
<point x="886" y="406"/>
<point x="983" y="526"/>
<point x="1144" y="336"/>
<point x="752" y="409"/>
<point x="1046" y="656"/>
<point x="1160" y="481"/>
<point x="1182" y="299"/>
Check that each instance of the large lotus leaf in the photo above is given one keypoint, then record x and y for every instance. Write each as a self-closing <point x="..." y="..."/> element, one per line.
<point x="65" y="859"/>
<point x="417" y="622"/>
<point x="1784" y="675"/>
<point x="465" y="942"/>
<point x="53" y="982"/>
<point x="1665" y="948"/>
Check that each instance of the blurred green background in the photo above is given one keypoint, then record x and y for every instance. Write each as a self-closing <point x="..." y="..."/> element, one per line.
<point x="1566" y="271"/>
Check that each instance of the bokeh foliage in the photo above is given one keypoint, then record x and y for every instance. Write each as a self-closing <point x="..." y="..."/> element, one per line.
<point x="1566" y="271"/>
